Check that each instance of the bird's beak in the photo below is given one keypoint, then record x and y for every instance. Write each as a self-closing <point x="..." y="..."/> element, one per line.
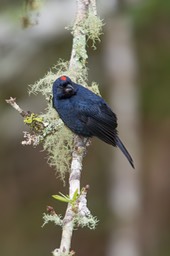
<point x="69" y="88"/>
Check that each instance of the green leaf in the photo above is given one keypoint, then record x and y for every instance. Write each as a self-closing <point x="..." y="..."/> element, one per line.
<point x="61" y="198"/>
<point x="65" y="196"/>
<point x="75" y="196"/>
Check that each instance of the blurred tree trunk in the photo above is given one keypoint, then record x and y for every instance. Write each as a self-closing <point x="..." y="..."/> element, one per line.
<point x="124" y="196"/>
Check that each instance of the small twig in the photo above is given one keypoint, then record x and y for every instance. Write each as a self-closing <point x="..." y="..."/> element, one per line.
<point x="29" y="138"/>
<point x="12" y="102"/>
<point x="39" y="128"/>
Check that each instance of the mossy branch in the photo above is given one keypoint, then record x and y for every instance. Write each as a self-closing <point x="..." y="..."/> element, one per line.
<point x="77" y="65"/>
<point x="65" y="150"/>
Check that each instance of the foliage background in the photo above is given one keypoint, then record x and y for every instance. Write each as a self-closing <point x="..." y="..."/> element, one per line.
<point x="27" y="182"/>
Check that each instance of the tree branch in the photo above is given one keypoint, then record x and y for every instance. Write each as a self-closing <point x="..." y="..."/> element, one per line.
<point x="12" y="102"/>
<point x="77" y="213"/>
<point x="77" y="61"/>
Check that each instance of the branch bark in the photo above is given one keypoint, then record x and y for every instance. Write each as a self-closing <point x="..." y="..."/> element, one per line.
<point x="77" y="62"/>
<point x="12" y="102"/>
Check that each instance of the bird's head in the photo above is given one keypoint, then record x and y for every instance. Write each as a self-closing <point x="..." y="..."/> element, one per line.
<point x="64" y="88"/>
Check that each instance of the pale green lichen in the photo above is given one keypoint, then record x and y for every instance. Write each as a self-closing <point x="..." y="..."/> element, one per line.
<point x="58" y="139"/>
<point x="95" y="88"/>
<point x="58" y="145"/>
<point x="60" y="142"/>
<point x="57" y="219"/>
<point x="59" y="148"/>
<point x="79" y="221"/>
<point x="93" y="28"/>
<point x="44" y="85"/>
<point x="85" y="221"/>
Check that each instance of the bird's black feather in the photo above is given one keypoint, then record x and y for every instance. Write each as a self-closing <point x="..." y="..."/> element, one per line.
<point x="124" y="150"/>
<point x="86" y="113"/>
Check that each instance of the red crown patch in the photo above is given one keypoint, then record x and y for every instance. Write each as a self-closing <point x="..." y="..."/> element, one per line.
<point x="64" y="78"/>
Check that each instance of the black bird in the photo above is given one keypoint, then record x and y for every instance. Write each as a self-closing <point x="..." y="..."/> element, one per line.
<point x="85" y="113"/>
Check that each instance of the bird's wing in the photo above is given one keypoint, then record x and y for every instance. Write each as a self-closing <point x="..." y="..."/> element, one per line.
<point x="101" y="122"/>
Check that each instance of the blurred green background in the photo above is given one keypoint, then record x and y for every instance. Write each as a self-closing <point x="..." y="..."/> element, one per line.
<point x="27" y="52"/>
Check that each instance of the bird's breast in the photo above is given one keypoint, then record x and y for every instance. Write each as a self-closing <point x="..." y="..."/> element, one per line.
<point x="70" y="115"/>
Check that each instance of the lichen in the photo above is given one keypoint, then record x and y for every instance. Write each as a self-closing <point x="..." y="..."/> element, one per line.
<point x="85" y="221"/>
<point x="94" y="88"/>
<point x="59" y="140"/>
<point x="59" y="149"/>
<point x="44" y="85"/>
<point x="57" y="219"/>
<point x="93" y="27"/>
<point x="59" y="143"/>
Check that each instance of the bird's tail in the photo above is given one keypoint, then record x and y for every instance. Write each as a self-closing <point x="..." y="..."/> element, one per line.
<point x="124" y="150"/>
